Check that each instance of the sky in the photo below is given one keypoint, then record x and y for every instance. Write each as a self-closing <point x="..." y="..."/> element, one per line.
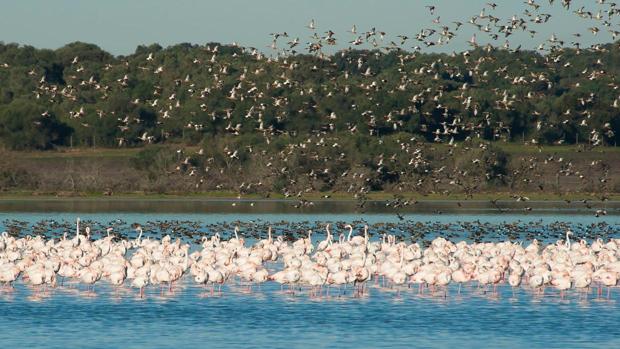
<point x="118" y="26"/>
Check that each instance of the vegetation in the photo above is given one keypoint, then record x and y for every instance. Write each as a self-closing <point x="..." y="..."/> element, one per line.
<point x="79" y="95"/>
<point x="217" y="117"/>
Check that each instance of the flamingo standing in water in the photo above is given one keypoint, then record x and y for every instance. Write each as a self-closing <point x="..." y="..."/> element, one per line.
<point x="514" y="280"/>
<point x="9" y="272"/>
<point x="140" y="282"/>
<point x="460" y="276"/>
<point x="564" y="265"/>
<point x="607" y="278"/>
<point x="562" y="283"/>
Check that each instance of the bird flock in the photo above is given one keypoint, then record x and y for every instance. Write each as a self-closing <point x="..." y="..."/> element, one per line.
<point x="318" y="268"/>
<point x="235" y="91"/>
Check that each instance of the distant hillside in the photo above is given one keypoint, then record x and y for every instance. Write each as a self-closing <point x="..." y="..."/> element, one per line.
<point x="79" y="95"/>
<point x="224" y="118"/>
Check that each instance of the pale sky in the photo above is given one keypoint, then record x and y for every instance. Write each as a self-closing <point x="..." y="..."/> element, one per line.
<point x="118" y="26"/>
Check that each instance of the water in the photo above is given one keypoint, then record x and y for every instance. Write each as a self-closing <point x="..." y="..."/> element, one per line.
<point x="272" y="320"/>
<point x="191" y="317"/>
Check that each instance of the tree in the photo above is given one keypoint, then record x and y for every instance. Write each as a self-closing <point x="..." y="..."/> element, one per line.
<point x="23" y="126"/>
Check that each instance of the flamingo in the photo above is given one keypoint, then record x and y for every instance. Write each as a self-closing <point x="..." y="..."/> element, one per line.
<point x="562" y="284"/>
<point x="140" y="282"/>
<point x="89" y="276"/>
<point x="9" y="272"/>
<point x="460" y="276"/>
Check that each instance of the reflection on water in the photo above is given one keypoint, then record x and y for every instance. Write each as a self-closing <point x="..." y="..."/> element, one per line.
<point x="267" y="318"/>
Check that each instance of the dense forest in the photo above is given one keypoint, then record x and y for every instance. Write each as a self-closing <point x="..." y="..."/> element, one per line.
<point x="80" y="95"/>
<point x="355" y="121"/>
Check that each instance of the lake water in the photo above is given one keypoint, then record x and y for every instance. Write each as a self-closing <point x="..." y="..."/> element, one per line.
<point x="70" y="317"/>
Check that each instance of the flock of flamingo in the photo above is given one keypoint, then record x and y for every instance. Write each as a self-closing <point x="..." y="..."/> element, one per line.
<point x="302" y="265"/>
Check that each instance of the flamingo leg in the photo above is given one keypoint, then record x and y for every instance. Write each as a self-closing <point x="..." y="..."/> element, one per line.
<point x="608" y="292"/>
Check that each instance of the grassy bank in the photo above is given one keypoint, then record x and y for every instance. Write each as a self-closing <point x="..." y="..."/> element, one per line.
<point x="540" y="173"/>
<point x="98" y="153"/>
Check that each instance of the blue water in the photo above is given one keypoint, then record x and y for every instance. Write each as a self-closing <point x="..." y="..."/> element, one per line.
<point x="71" y="317"/>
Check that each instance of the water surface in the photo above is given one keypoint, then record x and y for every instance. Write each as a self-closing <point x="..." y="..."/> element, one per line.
<point x="70" y="316"/>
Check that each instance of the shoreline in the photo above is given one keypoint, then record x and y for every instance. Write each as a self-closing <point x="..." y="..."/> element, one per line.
<point x="315" y="196"/>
